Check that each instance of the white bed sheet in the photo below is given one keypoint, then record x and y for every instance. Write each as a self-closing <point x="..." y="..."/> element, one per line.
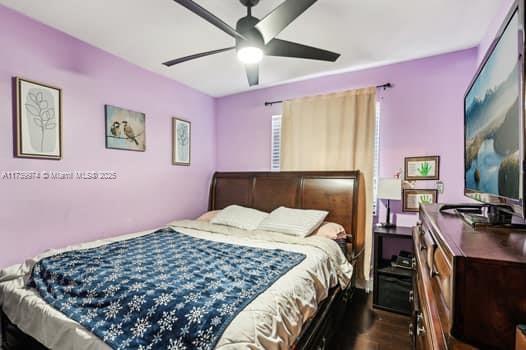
<point x="273" y="320"/>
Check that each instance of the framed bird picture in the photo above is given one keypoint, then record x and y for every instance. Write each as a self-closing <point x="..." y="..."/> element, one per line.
<point x="125" y="129"/>
<point x="181" y="141"/>
<point x="38" y="120"/>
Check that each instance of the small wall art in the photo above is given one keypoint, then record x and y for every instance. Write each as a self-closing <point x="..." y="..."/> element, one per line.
<point x="181" y="141"/>
<point x="38" y="130"/>
<point x="414" y="197"/>
<point x="421" y="168"/>
<point x="125" y="129"/>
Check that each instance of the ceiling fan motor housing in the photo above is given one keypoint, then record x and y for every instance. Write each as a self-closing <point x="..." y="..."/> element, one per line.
<point x="245" y="26"/>
<point x="249" y="3"/>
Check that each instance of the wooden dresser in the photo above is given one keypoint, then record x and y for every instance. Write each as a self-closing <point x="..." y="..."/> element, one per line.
<point x="469" y="284"/>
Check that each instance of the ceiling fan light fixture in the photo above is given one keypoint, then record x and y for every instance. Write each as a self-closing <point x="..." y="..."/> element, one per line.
<point x="255" y="38"/>
<point x="250" y="54"/>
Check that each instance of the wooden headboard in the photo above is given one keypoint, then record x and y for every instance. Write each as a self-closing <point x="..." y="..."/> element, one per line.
<point x="333" y="191"/>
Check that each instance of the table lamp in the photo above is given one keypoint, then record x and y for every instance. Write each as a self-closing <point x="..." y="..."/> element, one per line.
<point x="390" y="189"/>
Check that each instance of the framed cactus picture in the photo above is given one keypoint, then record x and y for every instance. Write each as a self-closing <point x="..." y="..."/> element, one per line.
<point x="422" y="168"/>
<point x="181" y="141"/>
<point x="413" y="198"/>
<point x="38" y="120"/>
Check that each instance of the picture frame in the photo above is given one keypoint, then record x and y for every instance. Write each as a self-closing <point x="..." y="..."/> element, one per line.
<point x="125" y="129"/>
<point x="412" y="198"/>
<point x="181" y="142"/>
<point x="38" y="120"/>
<point x="422" y="168"/>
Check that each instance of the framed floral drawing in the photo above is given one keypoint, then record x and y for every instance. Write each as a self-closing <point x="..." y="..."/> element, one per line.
<point x="412" y="198"/>
<point x="181" y="141"/>
<point x="125" y="129"/>
<point x="38" y="130"/>
<point x="422" y="168"/>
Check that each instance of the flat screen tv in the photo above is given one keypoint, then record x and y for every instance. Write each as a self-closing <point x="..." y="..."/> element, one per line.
<point x="494" y="120"/>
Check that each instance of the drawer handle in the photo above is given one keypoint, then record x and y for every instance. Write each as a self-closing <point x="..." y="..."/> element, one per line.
<point x="323" y="344"/>
<point x="420" y="330"/>
<point x="411" y="333"/>
<point x="413" y="263"/>
<point x="411" y="296"/>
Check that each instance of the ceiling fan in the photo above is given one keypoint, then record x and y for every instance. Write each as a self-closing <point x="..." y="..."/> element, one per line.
<point x="256" y="38"/>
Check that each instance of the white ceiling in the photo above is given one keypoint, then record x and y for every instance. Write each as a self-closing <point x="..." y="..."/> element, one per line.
<point x="365" y="32"/>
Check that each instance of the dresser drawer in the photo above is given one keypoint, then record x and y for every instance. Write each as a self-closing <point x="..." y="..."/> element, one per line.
<point x="420" y="327"/>
<point x="520" y="338"/>
<point x="428" y="246"/>
<point x="441" y="273"/>
<point x="438" y="266"/>
<point x="428" y="323"/>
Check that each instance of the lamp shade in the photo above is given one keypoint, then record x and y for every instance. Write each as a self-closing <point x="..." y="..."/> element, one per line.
<point x="390" y="188"/>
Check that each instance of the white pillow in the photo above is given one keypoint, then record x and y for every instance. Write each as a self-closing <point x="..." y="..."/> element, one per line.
<point x="240" y="217"/>
<point x="297" y="222"/>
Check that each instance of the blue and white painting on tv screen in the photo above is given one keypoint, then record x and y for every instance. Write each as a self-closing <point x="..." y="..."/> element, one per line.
<point x="492" y="127"/>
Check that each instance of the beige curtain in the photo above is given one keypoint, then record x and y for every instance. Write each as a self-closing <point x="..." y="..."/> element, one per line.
<point x="335" y="132"/>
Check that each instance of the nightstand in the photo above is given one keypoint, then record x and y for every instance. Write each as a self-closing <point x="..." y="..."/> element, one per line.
<point x="392" y="284"/>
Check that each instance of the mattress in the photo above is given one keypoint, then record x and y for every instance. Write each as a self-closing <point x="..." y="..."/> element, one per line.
<point x="273" y="320"/>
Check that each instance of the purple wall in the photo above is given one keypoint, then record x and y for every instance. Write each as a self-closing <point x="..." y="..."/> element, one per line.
<point x="36" y="215"/>
<point x="421" y="115"/>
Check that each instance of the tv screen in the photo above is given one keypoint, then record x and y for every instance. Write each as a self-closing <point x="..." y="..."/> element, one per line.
<point x="492" y="125"/>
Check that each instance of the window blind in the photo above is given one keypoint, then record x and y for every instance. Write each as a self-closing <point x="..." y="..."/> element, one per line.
<point x="276" y="143"/>
<point x="376" y="157"/>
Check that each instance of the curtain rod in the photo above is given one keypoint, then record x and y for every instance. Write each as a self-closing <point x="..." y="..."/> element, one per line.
<point x="383" y="86"/>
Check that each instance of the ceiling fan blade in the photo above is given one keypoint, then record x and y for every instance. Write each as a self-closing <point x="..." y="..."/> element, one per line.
<point x="197" y="55"/>
<point x="252" y="74"/>
<point x="285" y="48"/>
<point x="281" y="17"/>
<point x="210" y="17"/>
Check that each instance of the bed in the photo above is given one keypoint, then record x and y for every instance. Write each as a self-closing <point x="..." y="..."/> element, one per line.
<point x="297" y="309"/>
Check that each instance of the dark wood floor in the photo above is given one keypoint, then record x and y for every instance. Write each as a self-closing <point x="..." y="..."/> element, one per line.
<point x="366" y="328"/>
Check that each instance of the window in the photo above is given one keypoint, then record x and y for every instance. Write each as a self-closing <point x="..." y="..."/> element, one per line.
<point x="376" y="160"/>
<point x="275" y="152"/>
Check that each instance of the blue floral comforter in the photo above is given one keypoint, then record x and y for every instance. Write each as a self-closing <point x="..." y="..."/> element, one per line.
<point x="164" y="290"/>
